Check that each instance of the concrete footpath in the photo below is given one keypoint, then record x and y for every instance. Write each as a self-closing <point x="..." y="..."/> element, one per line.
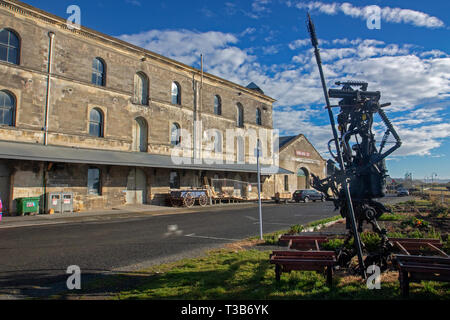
<point x="123" y="212"/>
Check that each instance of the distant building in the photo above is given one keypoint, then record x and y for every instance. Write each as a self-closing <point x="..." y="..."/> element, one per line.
<point x="299" y="156"/>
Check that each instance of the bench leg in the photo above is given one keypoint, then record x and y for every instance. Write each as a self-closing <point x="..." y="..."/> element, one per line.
<point x="404" y="284"/>
<point x="330" y="276"/>
<point x="278" y="273"/>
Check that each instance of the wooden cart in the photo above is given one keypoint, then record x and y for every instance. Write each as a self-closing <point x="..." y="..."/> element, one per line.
<point x="188" y="198"/>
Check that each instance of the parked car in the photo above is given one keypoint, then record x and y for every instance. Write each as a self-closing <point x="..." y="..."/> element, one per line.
<point x="402" y="193"/>
<point x="308" y="195"/>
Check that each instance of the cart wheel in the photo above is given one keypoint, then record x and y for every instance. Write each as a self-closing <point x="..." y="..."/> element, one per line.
<point x="203" y="200"/>
<point x="189" y="200"/>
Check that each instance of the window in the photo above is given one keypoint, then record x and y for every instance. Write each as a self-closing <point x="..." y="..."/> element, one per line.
<point x="218" y="141"/>
<point x="7" y="108"/>
<point x="94" y="187"/>
<point x="140" y="136"/>
<point x="9" y="46"/>
<point x="286" y="183"/>
<point x="240" y="115"/>
<point x="258" y="117"/>
<point x="174" y="180"/>
<point x="98" y="72"/>
<point x="96" y="123"/>
<point x="217" y="105"/>
<point x="141" y="88"/>
<point x="176" y="93"/>
<point x="240" y="150"/>
<point x="175" y="136"/>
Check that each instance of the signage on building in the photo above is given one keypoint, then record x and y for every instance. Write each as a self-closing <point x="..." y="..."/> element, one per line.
<point x="299" y="153"/>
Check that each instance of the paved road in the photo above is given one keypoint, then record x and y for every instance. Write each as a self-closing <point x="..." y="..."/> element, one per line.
<point x="39" y="254"/>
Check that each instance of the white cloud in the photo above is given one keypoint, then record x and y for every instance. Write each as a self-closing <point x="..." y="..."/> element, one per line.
<point x="388" y="14"/>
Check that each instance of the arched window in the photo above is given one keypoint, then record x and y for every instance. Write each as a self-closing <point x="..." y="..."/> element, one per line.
<point x="9" y="46"/>
<point x="176" y="93"/>
<point x="217" y="105"/>
<point x="96" y="123"/>
<point x="175" y="134"/>
<point x="258" y="117"/>
<point x="141" y="88"/>
<point x="7" y="108"/>
<point x="98" y="72"/>
<point x="240" y="115"/>
<point x="140" y="137"/>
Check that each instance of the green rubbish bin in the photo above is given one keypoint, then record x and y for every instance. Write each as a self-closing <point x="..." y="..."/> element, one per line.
<point x="27" y="205"/>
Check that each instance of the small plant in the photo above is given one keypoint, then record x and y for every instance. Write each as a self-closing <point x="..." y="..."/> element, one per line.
<point x="415" y="223"/>
<point x="297" y="229"/>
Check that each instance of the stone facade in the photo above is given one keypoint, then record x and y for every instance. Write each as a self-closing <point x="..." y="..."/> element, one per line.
<point x="299" y="156"/>
<point x="67" y="93"/>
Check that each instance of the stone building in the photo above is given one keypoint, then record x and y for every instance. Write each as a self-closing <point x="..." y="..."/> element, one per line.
<point x="298" y="155"/>
<point x="84" y="112"/>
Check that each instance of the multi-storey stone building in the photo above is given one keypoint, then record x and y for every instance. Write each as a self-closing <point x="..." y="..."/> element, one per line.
<point x="84" y="112"/>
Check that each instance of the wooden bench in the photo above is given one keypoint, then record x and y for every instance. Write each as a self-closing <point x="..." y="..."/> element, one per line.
<point x="418" y="268"/>
<point x="409" y="246"/>
<point x="320" y="261"/>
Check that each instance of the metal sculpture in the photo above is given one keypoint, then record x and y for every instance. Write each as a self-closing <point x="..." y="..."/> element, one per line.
<point x="361" y="176"/>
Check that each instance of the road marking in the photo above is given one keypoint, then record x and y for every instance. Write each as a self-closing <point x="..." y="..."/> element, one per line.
<point x="251" y="218"/>
<point x="192" y="235"/>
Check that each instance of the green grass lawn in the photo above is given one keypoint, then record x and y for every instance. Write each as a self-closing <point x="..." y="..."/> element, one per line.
<point x="247" y="274"/>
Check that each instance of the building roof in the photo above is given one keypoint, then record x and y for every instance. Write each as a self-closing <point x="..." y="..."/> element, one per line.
<point x="253" y="86"/>
<point x="38" y="152"/>
<point x="285" y="141"/>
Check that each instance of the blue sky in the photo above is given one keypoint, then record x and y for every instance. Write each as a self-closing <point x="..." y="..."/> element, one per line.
<point x="265" y="41"/>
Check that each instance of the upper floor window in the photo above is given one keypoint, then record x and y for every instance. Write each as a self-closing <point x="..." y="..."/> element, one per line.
<point x="258" y="117"/>
<point x="217" y="105"/>
<point x="96" y="123"/>
<point x="175" y="136"/>
<point x="98" y="72"/>
<point x="141" y="88"/>
<point x="9" y="46"/>
<point x="240" y="115"/>
<point x="176" y="93"/>
<point x="7" y="108"/>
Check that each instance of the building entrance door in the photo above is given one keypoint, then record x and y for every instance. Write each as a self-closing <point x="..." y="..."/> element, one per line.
<point x="136" y="187"/>
<point x="5" y="185"/>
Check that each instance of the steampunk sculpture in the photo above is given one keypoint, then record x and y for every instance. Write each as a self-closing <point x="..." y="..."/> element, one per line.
<point x="361" y="176"/>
